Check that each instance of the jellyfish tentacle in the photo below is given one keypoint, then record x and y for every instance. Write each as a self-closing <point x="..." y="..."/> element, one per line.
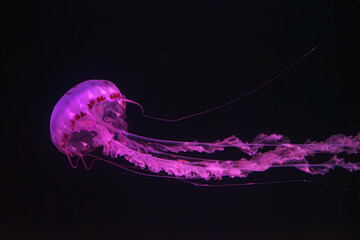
<point x="333" y="145"/>
<point x="189" y="167"/>
<point x="146" y="144"/>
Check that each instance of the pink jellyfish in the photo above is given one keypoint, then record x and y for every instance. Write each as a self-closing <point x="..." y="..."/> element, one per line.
<point x="92" y="115"/>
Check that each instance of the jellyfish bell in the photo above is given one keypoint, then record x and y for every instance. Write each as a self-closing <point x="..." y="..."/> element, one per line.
<point x="92" y="115"/>
<point x="75" y="124"/>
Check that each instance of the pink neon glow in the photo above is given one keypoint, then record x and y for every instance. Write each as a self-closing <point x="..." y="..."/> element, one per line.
<point x="92" y="115"/>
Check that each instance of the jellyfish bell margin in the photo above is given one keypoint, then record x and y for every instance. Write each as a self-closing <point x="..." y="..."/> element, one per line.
<point x="92" y="115"/>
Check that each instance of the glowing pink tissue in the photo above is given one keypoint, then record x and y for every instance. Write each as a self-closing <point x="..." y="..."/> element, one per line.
<point x="92" y="115"/>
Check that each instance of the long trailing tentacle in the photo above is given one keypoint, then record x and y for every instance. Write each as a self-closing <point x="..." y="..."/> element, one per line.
<point x="333" y="145"/>
<point x="152" y="153"/>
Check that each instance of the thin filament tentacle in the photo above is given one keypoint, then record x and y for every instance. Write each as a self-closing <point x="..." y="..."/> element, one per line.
<point x="290" y="66"/>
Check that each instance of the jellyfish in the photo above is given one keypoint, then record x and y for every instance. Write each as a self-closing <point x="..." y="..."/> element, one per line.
<point x="91" y="115"/>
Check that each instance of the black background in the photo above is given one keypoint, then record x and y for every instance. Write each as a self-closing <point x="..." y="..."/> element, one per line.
<point x="178" y="58"/>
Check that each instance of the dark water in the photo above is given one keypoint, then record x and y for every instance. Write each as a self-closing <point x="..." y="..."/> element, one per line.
<point x="178" y="58"/>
